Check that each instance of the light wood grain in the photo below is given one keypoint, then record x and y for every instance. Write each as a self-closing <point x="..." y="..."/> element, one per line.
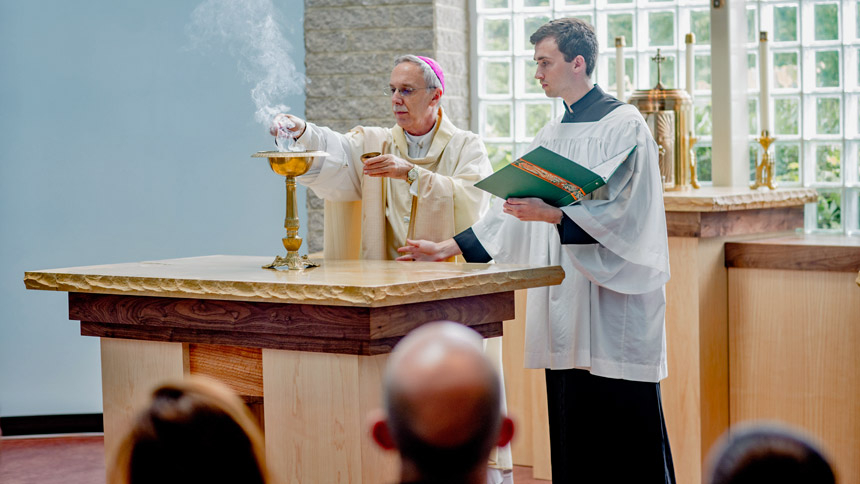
<point x="352" y="283"/>
<point x="130" y="372"/>
<point x="239" y="368"/>
<point x="793" y="356"/>
<point x="314" y="417"/>
<point x="517" y="385"/>
<point x="377" y="465"/>
<point x="681" y="391"/>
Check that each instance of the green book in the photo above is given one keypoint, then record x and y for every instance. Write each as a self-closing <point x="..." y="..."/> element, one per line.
<point x="547" y="175"/>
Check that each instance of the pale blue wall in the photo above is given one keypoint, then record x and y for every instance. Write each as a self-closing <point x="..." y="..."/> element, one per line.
<point x="116" y="145"/>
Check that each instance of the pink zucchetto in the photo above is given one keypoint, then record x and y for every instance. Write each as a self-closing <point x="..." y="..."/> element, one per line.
<point x="437" y="69"/>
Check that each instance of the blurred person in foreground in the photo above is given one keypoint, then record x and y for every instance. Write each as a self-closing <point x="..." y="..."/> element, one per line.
<point x="442" y="406"/>
<point x="767" y="452"/>
<point x="192" y="430"/>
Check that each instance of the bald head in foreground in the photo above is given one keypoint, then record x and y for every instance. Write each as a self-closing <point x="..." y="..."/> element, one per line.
<point x="442" y="406"/>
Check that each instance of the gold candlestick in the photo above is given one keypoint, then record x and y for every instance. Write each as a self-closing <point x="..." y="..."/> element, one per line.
<point x="694" y="175"/>
<point x="291" y="164"/>
<point x="766" y="167"/>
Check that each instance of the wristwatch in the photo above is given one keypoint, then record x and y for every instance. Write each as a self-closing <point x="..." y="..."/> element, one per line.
<point x="412" y="175"/>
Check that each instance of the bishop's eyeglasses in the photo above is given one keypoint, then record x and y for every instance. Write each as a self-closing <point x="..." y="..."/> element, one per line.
<point x="404" y="91"/>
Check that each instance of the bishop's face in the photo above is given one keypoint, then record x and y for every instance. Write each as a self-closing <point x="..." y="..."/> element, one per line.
<point x="555" y="75"/>
<point x="416" y="111"/>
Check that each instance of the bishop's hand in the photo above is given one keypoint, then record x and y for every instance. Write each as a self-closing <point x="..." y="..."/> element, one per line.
<point x="388" y="166"/>
<point x="532" y="210"/>
<point x="425" y="250"/>
<point x="287" y="125"/>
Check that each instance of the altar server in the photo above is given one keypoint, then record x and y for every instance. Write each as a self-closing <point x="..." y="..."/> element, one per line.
<point x="601" y="333"/>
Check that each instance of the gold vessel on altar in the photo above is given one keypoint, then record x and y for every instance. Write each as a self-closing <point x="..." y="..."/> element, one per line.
<point x="291" y="164"/>
<point x="667" y="112"/>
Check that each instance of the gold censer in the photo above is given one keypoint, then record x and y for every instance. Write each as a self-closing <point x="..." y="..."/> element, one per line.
<point x="291" y="164"/>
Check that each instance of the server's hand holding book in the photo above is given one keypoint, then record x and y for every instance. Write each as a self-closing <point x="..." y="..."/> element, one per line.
<point x="556" y="180"/>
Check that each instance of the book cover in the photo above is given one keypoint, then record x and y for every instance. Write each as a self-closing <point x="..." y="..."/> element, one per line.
<point x="547" y="175"/>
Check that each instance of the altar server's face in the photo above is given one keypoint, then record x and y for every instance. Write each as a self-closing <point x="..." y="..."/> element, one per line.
<point x="555" y="75"/>
<point x="416" y="111"/>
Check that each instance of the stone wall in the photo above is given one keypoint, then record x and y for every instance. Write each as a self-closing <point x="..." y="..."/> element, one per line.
<point x="350" y="47"/>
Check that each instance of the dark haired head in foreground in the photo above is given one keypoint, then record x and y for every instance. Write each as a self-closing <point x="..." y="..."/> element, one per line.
<point x="767" y="453"/>
<point x="195" y="430"/>
<point x="442" y="406"/>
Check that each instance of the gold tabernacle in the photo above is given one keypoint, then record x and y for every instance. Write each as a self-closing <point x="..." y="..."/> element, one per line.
<point x="666" y="112"/>
<point x="291" y="164"/>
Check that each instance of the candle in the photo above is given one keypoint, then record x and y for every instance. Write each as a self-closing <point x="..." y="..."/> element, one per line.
<point x="619" y="67"/>
<point x="690" y="40"/>
<point x="764" y="78"/>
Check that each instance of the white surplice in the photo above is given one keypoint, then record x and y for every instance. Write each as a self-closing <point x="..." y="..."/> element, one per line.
<point x="608" y="315"/>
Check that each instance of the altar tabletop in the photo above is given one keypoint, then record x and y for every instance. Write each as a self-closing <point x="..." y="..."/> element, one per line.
<point x="352" y="283"/>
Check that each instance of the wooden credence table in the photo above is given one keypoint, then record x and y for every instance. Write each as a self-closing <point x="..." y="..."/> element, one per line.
<point x="306" y="349"/>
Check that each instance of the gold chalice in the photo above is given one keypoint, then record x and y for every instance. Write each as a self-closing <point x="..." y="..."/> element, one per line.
<point x="291" y="164"/>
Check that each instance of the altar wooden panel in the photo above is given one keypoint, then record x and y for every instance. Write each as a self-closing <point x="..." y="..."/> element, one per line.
<point x="794" y="357"/>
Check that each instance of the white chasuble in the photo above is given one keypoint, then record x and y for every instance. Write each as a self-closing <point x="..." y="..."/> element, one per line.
<point x="382" y="212"/>
<point x="608" y="315"/>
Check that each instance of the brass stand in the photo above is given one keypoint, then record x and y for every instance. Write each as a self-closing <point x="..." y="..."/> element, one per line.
<point x="766" y="167"/>
<point x="290" y="165"/>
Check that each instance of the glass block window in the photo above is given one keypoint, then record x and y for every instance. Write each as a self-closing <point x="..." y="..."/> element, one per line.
<point x="511" y="104"/>
<point x="815" y="85"/>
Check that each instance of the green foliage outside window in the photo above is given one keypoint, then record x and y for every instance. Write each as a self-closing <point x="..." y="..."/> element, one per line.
<point x="498" y="77"/>
<point x="752" y="113"/>
<point x="536" y="3"/>
<point x="827" y="68"/>
<point x="787" y="115"/>
<point x="618" y="25"/>
<point x="785" y="24"/>
<point x="498" y="121"/>
<point x="500" y="155"/>
<point x="703" y="72"/>
<point x="661" y="28"/>
<point x="829" y="213"/>
<point x="827" y="115"/>
<point x="703" y="119"/>
<point x="785" y="69"/>
<point x="700" y="23"/>
<point x="530" y="25"/>
<point x="753" y="157"/>
<point x="497" y="33"/>
<point x="828" y="163"/>
<point x="495" y="3"/>
<point x="826" y="21"/>
<point x="787" y="162"/>
<point x="752" y="31"/>
<point x="703" y="163"/>
<point x="537" y="115"/>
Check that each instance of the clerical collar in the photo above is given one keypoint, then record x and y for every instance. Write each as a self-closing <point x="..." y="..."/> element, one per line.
<point x="418" y="146"/>
<point x="593" y="106"/>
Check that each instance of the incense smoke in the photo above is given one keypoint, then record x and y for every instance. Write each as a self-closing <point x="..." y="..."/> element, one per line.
<point x="249" y="30"/>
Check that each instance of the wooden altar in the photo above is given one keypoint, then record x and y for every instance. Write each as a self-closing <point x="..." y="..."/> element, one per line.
<point x="305" y="348"/>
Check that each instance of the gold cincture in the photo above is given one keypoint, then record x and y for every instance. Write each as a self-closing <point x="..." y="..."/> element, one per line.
<point x="666" y="112"/>
<point x="765" y="169"/>
<point x="291" y="164"/>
